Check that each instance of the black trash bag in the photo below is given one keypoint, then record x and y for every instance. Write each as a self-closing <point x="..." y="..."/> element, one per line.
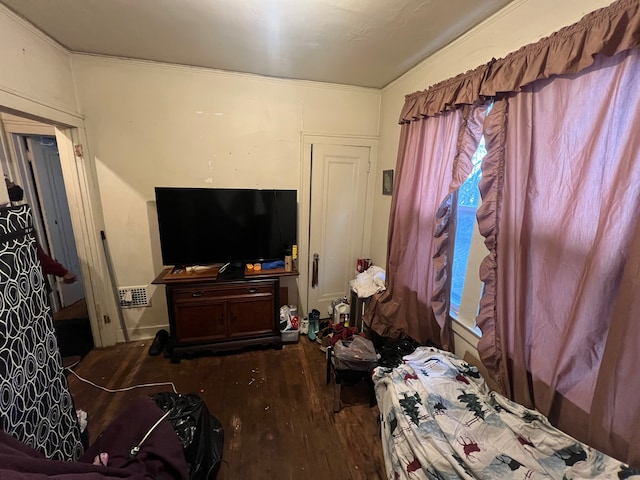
<point x="200" y="433"/>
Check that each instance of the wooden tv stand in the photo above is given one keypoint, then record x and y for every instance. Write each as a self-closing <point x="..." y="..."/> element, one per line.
<point x="212" y="313"/>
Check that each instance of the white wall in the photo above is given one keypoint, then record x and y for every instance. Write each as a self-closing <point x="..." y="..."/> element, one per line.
<point x="35" y="76"/>
<point x="35" y="72"/>
<point x="520" y="23"/>
<point x="151" y="124"/>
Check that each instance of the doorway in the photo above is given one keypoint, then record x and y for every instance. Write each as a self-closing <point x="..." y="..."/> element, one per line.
<point x="81" y="197"/>
<point x="39" y="172"/>
<point x="40" y="175"/>
<point x="340" y="196"/>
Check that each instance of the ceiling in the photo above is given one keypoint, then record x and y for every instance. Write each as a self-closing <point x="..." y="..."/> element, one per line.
<point x="367" y="43"/>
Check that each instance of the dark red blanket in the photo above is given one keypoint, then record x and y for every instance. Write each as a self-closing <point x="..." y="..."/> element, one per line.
<point x="160" y="457"/>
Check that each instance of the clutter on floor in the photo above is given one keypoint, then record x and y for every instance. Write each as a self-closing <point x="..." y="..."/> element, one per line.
<point x="348" y="362"/>
<point x="159" y="342"/>
<point x="314" y="324"/>
<point x="200" y="433"/>
<point x="352" y="350"/>
<point x="289" y="324"/>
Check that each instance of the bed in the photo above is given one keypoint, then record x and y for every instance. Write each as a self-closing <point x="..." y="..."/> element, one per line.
<point x="440" y="420"/>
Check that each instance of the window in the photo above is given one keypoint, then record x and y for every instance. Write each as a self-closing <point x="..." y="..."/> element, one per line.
<point x="465" y="283"/>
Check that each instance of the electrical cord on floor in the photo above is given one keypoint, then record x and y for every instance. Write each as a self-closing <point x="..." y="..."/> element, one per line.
<point x="125" y="389"/>
<point x="76" y="361"/>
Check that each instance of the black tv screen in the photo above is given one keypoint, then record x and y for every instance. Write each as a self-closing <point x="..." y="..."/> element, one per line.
<point x="203" y="226"/>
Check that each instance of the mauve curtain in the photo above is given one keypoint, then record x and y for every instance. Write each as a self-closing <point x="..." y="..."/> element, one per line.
<point x="469" y="137"/>
<point x="557" y="234"/>
<point x="423" y="175"/>
<point x="615" y="413"/>
<point x="607" y="31"/>
<point x="562" y="187"/>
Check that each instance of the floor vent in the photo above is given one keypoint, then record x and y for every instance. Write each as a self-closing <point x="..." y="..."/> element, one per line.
<point x="131" y="297"/>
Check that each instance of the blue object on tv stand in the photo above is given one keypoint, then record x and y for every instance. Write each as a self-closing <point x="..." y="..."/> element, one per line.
<point x="272" y="265"/>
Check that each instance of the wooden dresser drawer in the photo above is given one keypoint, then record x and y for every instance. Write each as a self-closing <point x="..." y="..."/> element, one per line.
<point x="209" y="292"/>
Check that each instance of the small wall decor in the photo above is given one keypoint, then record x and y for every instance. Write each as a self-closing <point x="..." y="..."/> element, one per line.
<point x="387" y="182"/>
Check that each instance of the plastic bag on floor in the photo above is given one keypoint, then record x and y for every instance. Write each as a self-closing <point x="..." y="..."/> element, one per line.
<point x="200" y="433"/>
<point x="289" y="318"/>
<point x="357" y="353"/>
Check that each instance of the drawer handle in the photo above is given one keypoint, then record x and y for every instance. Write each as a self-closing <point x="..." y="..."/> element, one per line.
<point x="221" y="319"/>
<point x="233" y="318"/>
<point x="252" y="289"/>
<point x="197" y="294"/>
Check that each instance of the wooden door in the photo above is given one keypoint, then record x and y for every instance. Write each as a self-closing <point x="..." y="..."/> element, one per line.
<point x="339" y="182"/>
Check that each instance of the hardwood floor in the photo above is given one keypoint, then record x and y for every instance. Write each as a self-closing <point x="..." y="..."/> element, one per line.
<point x="275" y="407"/>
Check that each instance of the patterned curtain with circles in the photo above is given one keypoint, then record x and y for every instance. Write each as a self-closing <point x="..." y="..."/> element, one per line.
<point x="35" y="403"/>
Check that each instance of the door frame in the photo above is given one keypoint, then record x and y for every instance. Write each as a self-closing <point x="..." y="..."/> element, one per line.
<point x="81" y="184"/>
<point x="304" y="198"/>
<point x="80" y="179"/>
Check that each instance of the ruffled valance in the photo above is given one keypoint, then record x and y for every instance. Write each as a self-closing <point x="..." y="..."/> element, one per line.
<point x="606" y="31"/>
<point x="463" y="89"/>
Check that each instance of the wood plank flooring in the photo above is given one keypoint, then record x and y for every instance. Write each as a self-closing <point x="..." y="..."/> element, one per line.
<point x="275" y="407"/>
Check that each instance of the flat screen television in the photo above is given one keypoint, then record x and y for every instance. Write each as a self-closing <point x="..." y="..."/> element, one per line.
<point x="204" y="226"/>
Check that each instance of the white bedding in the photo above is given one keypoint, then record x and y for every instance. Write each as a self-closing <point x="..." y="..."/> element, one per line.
<point x="441" y="421"/>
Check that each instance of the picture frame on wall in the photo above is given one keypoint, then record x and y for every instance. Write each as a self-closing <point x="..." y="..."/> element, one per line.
<point x="387" y="182"/>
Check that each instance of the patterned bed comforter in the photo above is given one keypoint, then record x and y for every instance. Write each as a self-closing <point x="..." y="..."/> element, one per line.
<point x="441" y="421"/>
